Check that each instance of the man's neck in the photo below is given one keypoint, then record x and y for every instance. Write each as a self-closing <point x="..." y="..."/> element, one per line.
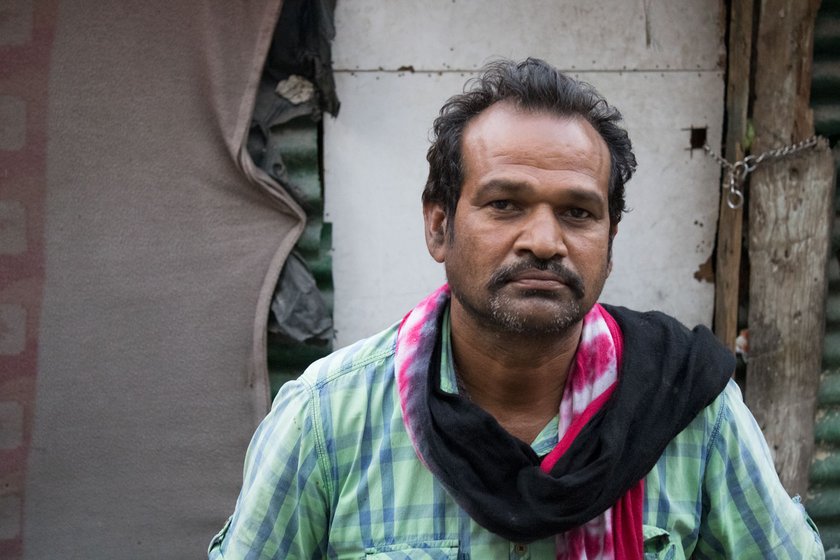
<point x="518" y="379"/>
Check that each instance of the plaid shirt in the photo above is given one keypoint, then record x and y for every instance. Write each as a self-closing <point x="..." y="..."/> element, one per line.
<point x="331" y="473"/>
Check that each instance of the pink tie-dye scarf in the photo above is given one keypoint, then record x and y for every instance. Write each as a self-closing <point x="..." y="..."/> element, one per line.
<point x="615" y="533"/>
<point x="591" y="381"/>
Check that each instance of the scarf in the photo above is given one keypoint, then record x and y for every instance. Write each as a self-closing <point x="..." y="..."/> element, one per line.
<point x="667" y="375"/>
<point x="592" y="379"/>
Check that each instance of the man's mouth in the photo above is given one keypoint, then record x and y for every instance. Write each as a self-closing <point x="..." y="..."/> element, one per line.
<point x="539" y="276"/>
<point x="538" y="280"/>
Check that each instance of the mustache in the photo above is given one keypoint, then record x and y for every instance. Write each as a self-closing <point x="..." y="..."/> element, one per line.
<point x="508" y="273"/>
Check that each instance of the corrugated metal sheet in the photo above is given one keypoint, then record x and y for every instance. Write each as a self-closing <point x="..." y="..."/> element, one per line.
<point x="823" y="503"/>
<point x="298" y="144"/>
<point x="825" y="86"/>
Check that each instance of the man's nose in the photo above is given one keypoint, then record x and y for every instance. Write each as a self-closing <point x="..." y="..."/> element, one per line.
<point x="542" y="234"/>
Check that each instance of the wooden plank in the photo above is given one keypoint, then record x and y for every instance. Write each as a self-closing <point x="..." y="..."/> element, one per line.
<point x="790" y="212"/>
<point x="728" y="264"/>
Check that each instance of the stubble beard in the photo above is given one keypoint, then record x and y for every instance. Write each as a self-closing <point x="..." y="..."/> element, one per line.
<point x="505" y="317"/>
<point x="500" y="310"/>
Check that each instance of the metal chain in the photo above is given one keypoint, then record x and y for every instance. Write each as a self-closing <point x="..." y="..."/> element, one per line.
<point x="737" y="172"/>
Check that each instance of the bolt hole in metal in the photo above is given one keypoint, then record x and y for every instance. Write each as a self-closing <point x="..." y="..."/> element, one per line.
<point x="697" y="137"/>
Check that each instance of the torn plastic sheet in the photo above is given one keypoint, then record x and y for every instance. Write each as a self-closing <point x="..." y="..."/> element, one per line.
<point x="298" y="310"/>
<point x="301" y="45"/>
<point x="271" y="112"/>
<point x="297" y="82"/>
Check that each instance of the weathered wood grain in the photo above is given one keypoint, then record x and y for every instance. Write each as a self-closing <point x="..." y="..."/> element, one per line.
<point x="789" y="223"/>
<point x="728" y="260"/>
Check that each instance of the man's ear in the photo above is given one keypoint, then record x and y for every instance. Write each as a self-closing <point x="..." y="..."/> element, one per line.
<point x="434" y="217"/>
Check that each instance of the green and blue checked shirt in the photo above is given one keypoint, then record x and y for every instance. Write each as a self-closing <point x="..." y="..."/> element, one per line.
<point x="331" y="473"/>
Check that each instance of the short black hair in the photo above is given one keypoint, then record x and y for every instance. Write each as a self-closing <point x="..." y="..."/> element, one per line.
<point x="532" y="85"/>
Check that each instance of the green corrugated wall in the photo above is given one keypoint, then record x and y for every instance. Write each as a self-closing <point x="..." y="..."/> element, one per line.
<point x="299" y="147"/>
<point x="824" y="500"/>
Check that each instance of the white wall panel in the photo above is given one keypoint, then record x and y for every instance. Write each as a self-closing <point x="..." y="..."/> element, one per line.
<point x="656" y="62"/>
<point x="575" y="34"/>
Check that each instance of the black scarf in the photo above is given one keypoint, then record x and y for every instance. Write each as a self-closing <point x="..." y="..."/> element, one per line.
<point x="668" y="375"/>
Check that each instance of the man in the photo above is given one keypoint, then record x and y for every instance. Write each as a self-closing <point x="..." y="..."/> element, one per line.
<point x="508" y="415"/>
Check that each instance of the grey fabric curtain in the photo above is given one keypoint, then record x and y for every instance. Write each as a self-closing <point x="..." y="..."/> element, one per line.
<point x="161" y="243"/>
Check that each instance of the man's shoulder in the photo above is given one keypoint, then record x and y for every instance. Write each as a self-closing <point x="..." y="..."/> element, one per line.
<point x="334" y="395"/>
<point x="376" y="352"/>
<point x="706" y="426"/>
<point x="679" y="472"/>
<point x="724" y="423"/>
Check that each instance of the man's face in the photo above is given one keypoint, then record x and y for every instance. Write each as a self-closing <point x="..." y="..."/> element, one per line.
<point x="528" y="252"/>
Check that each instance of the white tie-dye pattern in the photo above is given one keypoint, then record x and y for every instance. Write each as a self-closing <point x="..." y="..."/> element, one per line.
<point x="592" y="540"/>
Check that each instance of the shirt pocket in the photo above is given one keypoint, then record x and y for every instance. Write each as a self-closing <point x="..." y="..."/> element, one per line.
<point x="429" y="550"/>
<point x="658" y="545"/>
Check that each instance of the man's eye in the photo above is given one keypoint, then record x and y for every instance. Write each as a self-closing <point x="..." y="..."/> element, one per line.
<point x="577" y="213"/>
<point x="501" y="204"/>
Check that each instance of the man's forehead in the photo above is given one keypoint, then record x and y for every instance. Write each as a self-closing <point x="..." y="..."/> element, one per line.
<point x="506" y="131"/>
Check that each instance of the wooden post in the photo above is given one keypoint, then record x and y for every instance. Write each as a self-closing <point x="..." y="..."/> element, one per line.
<point x="790" y="212"/>
<point x="728" y="266"/>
